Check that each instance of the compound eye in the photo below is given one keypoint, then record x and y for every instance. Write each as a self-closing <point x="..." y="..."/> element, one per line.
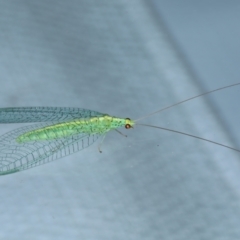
<point x="127" y="126"/>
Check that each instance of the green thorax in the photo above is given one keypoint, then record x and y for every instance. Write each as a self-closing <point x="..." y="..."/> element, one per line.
<point x="93" y="125"/>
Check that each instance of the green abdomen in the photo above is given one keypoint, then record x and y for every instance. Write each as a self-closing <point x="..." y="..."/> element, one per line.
<point x="94" y="125"/>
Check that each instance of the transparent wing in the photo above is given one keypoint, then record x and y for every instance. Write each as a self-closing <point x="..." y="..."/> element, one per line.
<point x="44" y="114"/>
<point x="15" y="157"/>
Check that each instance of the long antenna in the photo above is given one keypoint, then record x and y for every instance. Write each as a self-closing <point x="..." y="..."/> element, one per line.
<point x="189" y="135"/>
<point x="186" y="100"/>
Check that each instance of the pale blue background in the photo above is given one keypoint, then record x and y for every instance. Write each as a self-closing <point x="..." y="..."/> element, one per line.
<point x="125" y="58"/>
<point x="207" y="35"/>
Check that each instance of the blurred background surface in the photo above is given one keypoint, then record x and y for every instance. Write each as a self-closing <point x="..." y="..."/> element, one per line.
<point x="126" y="58"/>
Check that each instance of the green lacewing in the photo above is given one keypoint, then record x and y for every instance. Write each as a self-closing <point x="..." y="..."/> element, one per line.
<point x="62" y="131"/>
